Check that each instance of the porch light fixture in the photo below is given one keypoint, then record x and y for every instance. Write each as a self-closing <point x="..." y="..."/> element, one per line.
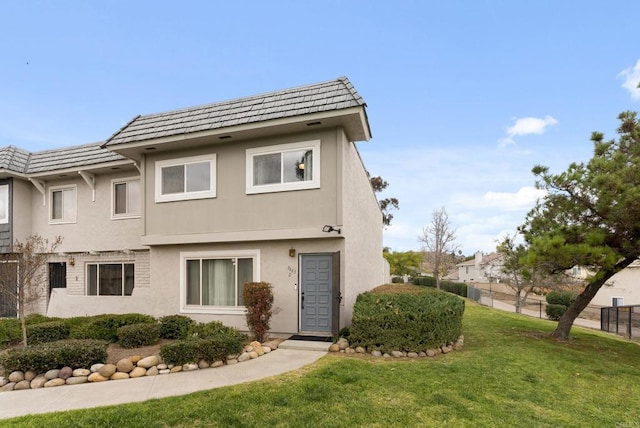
<point x="292" y="252"/>
<point x="72" y="261"/>
<point x="328" y="229"/>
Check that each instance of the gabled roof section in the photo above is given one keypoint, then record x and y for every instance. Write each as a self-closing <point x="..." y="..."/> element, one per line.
<point x="328" y="96"/>
<point x="71" y="157"/>
<point x="14" y="159"/>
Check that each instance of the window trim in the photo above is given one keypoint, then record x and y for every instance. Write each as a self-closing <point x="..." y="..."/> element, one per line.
<point x="314" y="183"/>
<point x="214" y="310"/>
<point x="184" y="196"/>
<point x="86" y="276"/>
<point x="5" y="219"/>
<point x="53" y="189"/>
<point x="124" y="180"/>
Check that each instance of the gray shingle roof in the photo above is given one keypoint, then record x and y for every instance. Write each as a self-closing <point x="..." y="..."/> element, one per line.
<point x="20" y="161"/>
<point x="14" y="159"/>
<point x="320" y="97"/>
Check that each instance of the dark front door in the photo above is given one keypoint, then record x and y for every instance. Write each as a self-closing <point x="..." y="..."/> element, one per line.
<point x="8" y="290"/>
<point x="57" y="275"/>
<point x="316" y="293"/>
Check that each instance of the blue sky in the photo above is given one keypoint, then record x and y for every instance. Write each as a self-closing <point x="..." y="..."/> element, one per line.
<point x="464" y="97"/>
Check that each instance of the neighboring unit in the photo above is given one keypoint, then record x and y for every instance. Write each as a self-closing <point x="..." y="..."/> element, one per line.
<point x="177" y="210"/>
<point x="481" y="269"/>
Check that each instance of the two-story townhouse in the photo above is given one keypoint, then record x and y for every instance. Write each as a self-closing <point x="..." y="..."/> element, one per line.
<point x="264" y="188"/>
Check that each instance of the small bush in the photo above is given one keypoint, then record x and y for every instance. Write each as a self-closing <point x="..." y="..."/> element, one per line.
<point x="55" y="355"/>
<point x="427" y="281"/>
<point x="175" y="326"/>
<point x="560" y="297"/>
<point x="105" y="327"/>
<point x="406" y="322"/>
<point x="344" y="332"/>
<point x="47" y="332"/>
<point x="211" y="342"/>
<point x="554" y="311"/>
<point x="135" y="335"/>
<point x="397" y="280"/>
<point x="258" y="298"/>
<point x="10" y="332"/>
<point x="38" y="319"/>
<point x="459" y="288"/>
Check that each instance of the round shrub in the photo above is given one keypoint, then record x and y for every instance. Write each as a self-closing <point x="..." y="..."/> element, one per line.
<point x="560" y="297"/>
<point x="175" y="326"/>
<point x="47" y="332"/>
<point x="554" y="311"/>
<point x="10" y="331"/>
<point x="406" y="322"/>
<point x="135" y="335"/>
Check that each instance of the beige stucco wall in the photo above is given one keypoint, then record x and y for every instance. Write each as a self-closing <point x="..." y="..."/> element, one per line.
<point x="21" y="205"/>
<point x="94" y="229"/>
<point x="624" y="284"/>
<point x="364" y="265"/>
<point x="232" y="209"/>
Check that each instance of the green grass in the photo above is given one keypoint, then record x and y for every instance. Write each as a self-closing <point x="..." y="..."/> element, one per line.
<point x="510" y="373"/>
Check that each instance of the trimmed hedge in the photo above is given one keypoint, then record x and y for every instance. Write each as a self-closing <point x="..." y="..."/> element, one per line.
<point x="211" y="342"/>
<point x="10" y="332"/>
<point x="134" y="335"/>
<point x="557" y="303"/>
<point x="105" y="327"/>
<point x="47" y="332"/>
<point x="406" y="322"/>
<point x="459" y="288"/>
<point x="55" y="355"/>
<point x="175" y="326"/>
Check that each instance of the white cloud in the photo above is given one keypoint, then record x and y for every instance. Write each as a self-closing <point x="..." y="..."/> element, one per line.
<point x="631" y="78"/>
<point x="524" y="198"/>
<point x="526" y="126"/>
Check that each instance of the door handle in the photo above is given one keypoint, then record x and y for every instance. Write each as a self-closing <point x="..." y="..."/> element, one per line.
<point x="302" y="300"/>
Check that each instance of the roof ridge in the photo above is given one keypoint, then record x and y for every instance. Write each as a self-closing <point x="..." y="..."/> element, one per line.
<point x="105" y="142"/>
<point x="352" y="90"/>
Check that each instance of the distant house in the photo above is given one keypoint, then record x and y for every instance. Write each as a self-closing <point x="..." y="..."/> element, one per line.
<point x="623" y="289"/>
<point x="174" y="212"/>
<point x="481" y="269"/>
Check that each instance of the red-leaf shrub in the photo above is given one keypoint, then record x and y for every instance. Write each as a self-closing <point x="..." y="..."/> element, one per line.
<point x="258" y="298"/>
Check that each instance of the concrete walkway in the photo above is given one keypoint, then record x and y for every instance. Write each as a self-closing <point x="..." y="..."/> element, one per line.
<point x="582" y="322"/>
<point x="88" y="395"/>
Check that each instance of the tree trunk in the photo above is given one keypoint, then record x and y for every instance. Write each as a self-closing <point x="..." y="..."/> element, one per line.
<point x="518" y="302"/>
<point x="583" y="299"/>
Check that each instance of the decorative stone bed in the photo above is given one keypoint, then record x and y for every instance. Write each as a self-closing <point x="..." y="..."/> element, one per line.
<point x="126" y="368"/>
<point x="343" y="346"/>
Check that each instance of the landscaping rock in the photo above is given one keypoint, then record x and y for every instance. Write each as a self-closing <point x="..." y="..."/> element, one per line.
<point x="266" y="349"/>
<point x="164" y="371"/>
<point x="23" y="384"/>
<point x="8" y="387"/>
<point x="16" y="376"/>
<point x="119" y="376"/>
<point x="77" y="380"/>
<point x="232" y="362"/>
<point x="334" y="348"/>
<point x="431" y="353"/>
<point x="243" y="357"/>
<point x="385" y="355"/>
<point x="135" y="358"/>
<point x="175" y="369"/>
<point x="272" y="344"/>
<point x="55" y="382"/>
<point x="349" y="351"/>
<point x="343" y="343"/>
<point x="81" y="372"/>
<point x="257" y="347"/>
<point x="189" y="367"/>
<point x="249" y="348"/>
<point x="138" y="372"/>
<point x="148" y="362"/>
<point x="124" y="365"/>
<point x="3" y="381"/>
<point x="218" y="363"/>
<point x="94" y="368"/>
<point x="202" y="364"/>
<point x="38" y="382"/>
<point x="360" y="350"/>
<point x="162" y="366"/>
<point x="152" y="371"/>
<point x="254" y="354"/>
<point x="412" y="354"/>
<point x="52" y="374"/>
<point x="446" y="349"/>
<point x="397" y="354"/>
<point x="107" y="370"/>
<point x="376" y="353"/>
<point x="65" y="373"/>
<point x="30" y="375"/>
<point x="96" y="377"/>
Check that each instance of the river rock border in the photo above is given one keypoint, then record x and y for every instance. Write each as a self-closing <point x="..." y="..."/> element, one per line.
<point x="127" y="368"/>
<point x="342" y="346"/>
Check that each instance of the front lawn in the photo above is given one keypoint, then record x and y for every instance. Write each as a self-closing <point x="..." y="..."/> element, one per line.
<point x="510" y="373"/>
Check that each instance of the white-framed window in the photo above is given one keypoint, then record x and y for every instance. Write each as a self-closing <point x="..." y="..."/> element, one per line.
<point x="125" y="199"/>
<point x="294" y="166"/>
<point x="213" y="282"/>
<point x="4" y="204"/>
<point x="617" y="301"/>
<point x="186" y="178"/>
<point x="63" y="204"/>
<point x="110" y="279"/>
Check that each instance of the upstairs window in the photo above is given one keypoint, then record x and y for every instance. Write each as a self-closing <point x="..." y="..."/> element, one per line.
<point x="126" y="198"/>
<point x="186" y="178"/>
<point x="294" y="166"/>
<point x="4" y="204"/>
<point x="63" y="204"/>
